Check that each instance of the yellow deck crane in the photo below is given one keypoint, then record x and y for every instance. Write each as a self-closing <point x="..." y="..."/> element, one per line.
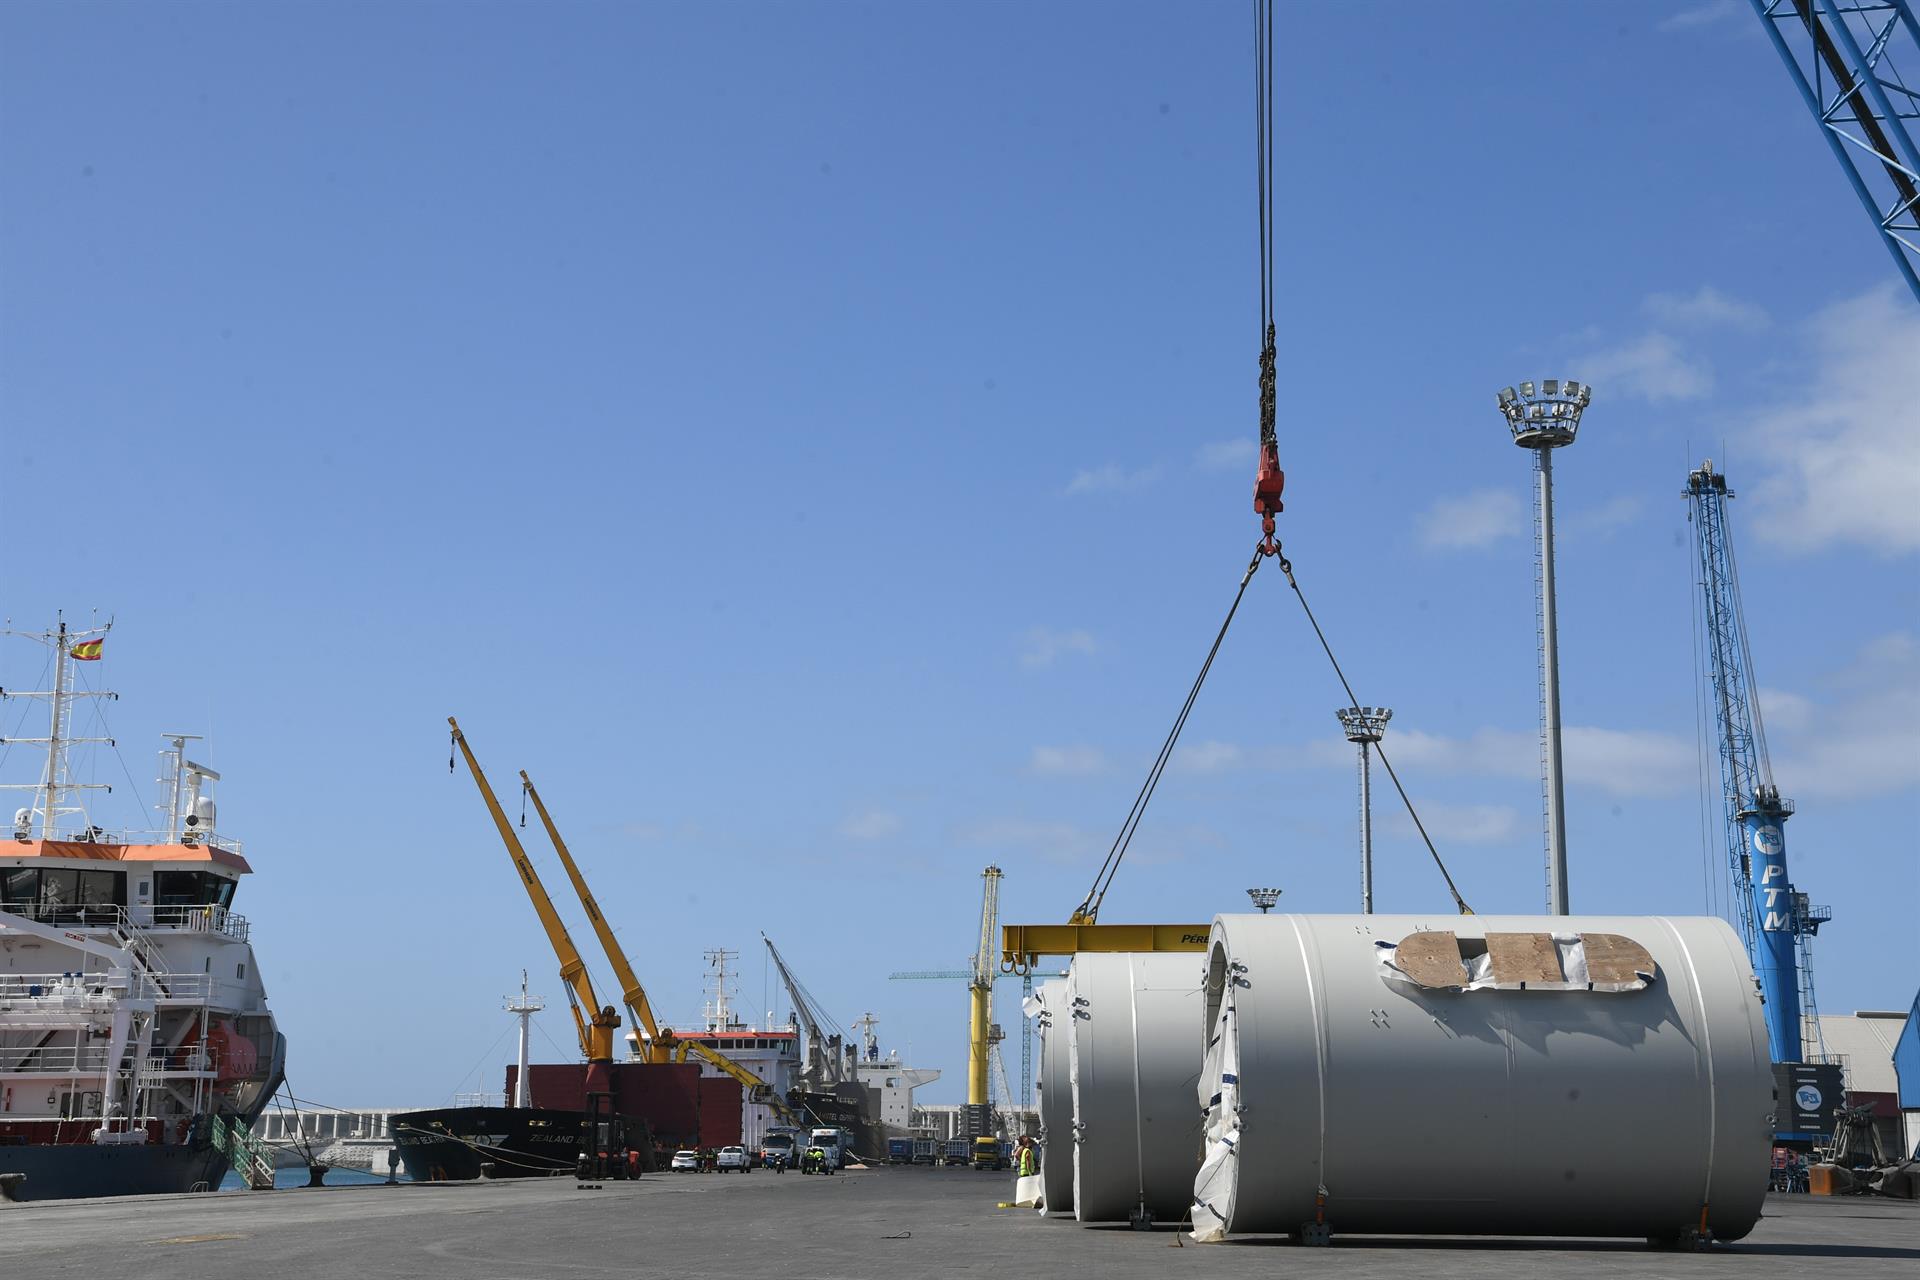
<point x="653" y="1043"/>
<point x="595" y="1023"/>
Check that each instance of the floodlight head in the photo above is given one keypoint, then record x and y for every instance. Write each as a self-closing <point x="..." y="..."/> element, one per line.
<point x="1545" y="415"/>
<point x="1264" y="898"/>
<point x="1364" y="724"/>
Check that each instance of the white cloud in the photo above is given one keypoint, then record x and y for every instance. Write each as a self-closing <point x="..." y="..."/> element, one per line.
<point x="1043" y="645"/>
<point x="1844" y="453"/>
<point x="1111" y="478"/>
<point x="1608" y="518"/>
<point x="1622" y="762"/>
<point x="1154" y="848"/>
<point x="1473" y="520"/>
<point x="1227" y="455"/>
<point x="1705" y="308"/>
<point x="1054" y="841"/>
<point x="1207" y="757"/>
<point x="1712" y="13"/>
<point x="873" y="824"/>
<point x="1630" y="762"/>
<point x="1457" y="824"/>
<point x="1783" y="710"/>
<point x="1068" y="762"/>
<point x="1653" y="367"/>
<point x="1860" y="742"/>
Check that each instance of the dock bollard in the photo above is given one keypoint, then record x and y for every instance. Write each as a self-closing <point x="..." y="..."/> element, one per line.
<point x="10" y="1184"/>
<point x="486" y="1171"/>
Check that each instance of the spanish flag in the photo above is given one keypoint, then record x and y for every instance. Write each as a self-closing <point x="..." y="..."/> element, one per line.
<point x="87" y="651"/>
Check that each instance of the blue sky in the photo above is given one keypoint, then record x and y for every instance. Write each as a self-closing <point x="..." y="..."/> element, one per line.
<point x="815" y="441"/>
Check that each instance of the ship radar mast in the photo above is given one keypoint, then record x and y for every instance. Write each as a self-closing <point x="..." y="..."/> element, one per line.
<point x="57" y="795"/>
<point x="718" y="1013"/>
<point x="190" y="810"/>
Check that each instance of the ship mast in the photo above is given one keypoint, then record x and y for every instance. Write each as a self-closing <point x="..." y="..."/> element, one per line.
<point x="56" y="785"/>
<point x="524" y="1007"/>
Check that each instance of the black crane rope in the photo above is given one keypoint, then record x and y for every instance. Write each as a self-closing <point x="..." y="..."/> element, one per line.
<point x="1268" y="484"/>
<point x="1089" y="909"/>
<point x="1269" y="481"/>
<point x="1286" y="567"/>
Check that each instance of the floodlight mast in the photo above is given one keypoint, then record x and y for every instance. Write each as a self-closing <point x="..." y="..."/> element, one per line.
<point x="1365" y="726"/>
<point x="1545" y="418"/>
<point x="1264" y="898"/>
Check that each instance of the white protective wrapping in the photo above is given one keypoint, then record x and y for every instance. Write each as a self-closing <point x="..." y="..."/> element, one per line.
<point x="1338" y="1089"/>
<point x="1134" y="1066"/>
<point x="1047" y="1006"/>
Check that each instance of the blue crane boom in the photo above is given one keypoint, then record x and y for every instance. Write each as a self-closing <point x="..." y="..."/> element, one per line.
<point x="1773" y="917"/>
<point x="1852" y="61"/>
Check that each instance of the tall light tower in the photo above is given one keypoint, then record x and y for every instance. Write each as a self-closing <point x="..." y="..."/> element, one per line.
<point x="1544" y="418"/>
<point x="1365" y="726"/>
<point x="1264" y="898"/>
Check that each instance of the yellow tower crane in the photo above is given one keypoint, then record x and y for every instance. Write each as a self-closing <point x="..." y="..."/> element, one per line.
<point x="980" y="989"/>
<point x="596" y="1024"/>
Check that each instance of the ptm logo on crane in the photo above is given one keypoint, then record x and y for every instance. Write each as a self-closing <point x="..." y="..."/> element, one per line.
<point x="1771" y="920"/>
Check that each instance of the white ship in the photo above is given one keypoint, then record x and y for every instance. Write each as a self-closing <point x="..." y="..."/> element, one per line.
<point x="136" y="1047"/>
<point x="810" y="1064"/>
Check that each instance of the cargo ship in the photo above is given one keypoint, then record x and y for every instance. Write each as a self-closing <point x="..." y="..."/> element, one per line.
<point x="454" y="1143"/>
<point x="136" y="1046"/>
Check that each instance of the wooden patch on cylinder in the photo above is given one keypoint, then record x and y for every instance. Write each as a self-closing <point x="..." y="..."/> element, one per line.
<point x="1524" y="957"/>
<point x="1615" y="961"/>
<point x="1431" y="959"/>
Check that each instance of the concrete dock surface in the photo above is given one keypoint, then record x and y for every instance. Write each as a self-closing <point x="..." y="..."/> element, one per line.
<point x="889" y="1223"/>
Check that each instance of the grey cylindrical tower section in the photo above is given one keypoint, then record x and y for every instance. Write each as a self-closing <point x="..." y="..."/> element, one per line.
<point x="1555" y="783"/>
<point x="1366" y="831"/>
<point x="1477" y="1108"/>
<point x="1055" y="1089"/>
<point x="1135" y="1065"/>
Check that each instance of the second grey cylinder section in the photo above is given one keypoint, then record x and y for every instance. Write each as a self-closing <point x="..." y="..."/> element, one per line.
<point x="1135" y="1068"/>
<point x="1056" y="1098"/>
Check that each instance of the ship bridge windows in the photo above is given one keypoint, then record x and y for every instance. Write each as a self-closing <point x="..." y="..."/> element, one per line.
<point x="191" y="889"/>
<point x="62" y="895"/>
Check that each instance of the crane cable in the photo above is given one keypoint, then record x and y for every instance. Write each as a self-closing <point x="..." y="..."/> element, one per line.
<point x="1089" y="908"/>
<point x="1263" y="172"/>
<point x="1269" y="481"/>
<point x="1286" y="567"/>
<point x="1267" y="490"/>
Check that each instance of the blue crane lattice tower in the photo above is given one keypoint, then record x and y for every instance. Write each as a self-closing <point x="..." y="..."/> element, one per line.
<point x="1774" y="919"/>
<point x="1857" y="66"/>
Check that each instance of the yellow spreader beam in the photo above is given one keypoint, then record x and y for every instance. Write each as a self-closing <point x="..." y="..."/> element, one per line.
<point x="1022" y="944"/>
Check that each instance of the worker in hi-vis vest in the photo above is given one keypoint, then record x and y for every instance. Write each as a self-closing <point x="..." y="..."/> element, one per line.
<point x="1026" y="1163"/>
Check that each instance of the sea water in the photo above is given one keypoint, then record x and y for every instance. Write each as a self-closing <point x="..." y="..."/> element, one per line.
<point x="337" y="1176"/>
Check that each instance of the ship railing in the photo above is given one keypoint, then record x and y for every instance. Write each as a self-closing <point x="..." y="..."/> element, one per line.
<point x="194" y="1061"/>
<point x="81" y="993"/>
<point x="55" y="1060"/>
<point x="137" y="835"/>
<point x="87" y="915"/>
<point x="203" y="919"/>
<point x="196" y="918"/>
<point x="47" y="992"/>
